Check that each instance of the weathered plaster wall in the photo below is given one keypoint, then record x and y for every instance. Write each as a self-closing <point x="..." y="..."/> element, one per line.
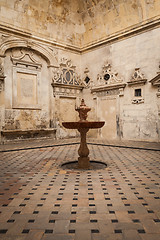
<point x="28" y="100"/>
<point x="137" y="121"/>
<point x="77" y="22"/>
<point x="103" y="19"/>
<point x="56" y="20"/>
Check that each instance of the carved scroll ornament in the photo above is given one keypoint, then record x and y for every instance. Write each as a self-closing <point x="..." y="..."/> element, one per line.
<point x="137" y="78"/>
<point x="66" y="74"/>
<point x="2" y="77"/>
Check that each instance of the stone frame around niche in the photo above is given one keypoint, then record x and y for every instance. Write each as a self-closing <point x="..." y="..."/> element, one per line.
<point x="26" y="80"/>
<point x="156" y="83"/>
<point x="22" y="96"/>
<point x="137" y="81"/>
<point x="138" y="99"/>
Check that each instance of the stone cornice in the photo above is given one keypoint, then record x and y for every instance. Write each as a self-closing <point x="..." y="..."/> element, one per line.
<point x="59" y="85"/>
<point x="107" y="87"/>
<point x="156" y="80"/>
<point x="24" y="34"/>
<point x="141" y="81"/>
<point x="121" y="35"/>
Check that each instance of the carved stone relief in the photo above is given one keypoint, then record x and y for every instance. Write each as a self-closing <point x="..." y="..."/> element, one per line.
<point x="4" y="37"/>
<point x="108" y="93"/>
<point x="65" y="80"/>
<point x="137" y="77"/>
<point x="66" y="74"/>
<point x="2" y="77"/>
<point x="109" y="82"/>
<point x="87" y="80"/>
<point x="137" y="81"/>
<point x="8" y="42"/>
<point x="108" y="76"/>
<point x="25" y="58"/>
<point x="156" y="83"/>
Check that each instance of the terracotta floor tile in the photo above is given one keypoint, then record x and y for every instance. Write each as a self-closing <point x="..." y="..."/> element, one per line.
<point x="41" y="200"/>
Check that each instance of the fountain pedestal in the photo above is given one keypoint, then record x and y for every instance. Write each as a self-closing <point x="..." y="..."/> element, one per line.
<point x="83" y="127"/>
<point x="83" y="151"/>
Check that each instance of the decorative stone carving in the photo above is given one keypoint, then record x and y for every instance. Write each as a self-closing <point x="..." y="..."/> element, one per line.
<point x="156" y="83"/>
<point x="4" y="37"/>
<point x="1" y="68"/>
<point x="138" y="101"/>
<point x="137" y="81"/>
<point x="108" y="82"/>
<point x="156" y="80"/>
<point x="25" y="58"/>
<point x="137" y="78"/>
<point x="108" y="76"/>
<point x="2" y="77"/>
<point x="26" y="78"/>
<point x="54" y="52"/>
<point x="66" y="74"/>
<point x="65" y="80"/>
<point x="108" y="92"/>
<point x="9" y="42"/>
<point x="87" y="81"/>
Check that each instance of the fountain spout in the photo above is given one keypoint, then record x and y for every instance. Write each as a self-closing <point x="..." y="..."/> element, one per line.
<point x="83" y="110"/>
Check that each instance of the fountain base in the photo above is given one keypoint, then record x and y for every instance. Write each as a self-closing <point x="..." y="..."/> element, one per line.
<point x="93" y="165"/>
<point x="83" y="162"/>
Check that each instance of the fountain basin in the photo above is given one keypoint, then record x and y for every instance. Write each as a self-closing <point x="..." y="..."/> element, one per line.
<point x="85" y="124"/>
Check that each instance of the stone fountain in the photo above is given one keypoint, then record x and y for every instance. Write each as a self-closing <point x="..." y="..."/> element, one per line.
<point x="83" y="127"/>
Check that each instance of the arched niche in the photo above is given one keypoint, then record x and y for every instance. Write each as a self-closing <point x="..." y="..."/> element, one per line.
<point x="44" y="51"/>
<point x="27" y="86"/>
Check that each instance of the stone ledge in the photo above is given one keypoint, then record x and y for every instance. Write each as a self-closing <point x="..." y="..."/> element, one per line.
<point x="27" y="134"/>
<point x="108" y="87"/>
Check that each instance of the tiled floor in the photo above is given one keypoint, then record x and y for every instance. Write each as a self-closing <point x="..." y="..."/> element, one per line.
<point x="40" y="200"/>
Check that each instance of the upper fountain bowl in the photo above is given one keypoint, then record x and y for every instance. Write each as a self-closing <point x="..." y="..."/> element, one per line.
<point x="79" y="125"/>
<point x="83" y="123"/>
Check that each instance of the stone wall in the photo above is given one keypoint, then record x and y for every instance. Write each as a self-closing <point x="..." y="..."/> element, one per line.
<point x="103" y="20"/>
<point x="127" y="100"/>
<point x="36" y="80"/>
<point x="53" y="53"/>
<point x="55" y="20"/>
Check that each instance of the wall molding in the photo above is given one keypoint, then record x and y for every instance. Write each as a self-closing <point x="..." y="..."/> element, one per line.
<point x="124" y="34"/>
<point x="131" y="31"/>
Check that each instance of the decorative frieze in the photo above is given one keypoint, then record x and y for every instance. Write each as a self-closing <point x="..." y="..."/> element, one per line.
<point x="108" y="93"/>
<point x="65" y="91"/>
